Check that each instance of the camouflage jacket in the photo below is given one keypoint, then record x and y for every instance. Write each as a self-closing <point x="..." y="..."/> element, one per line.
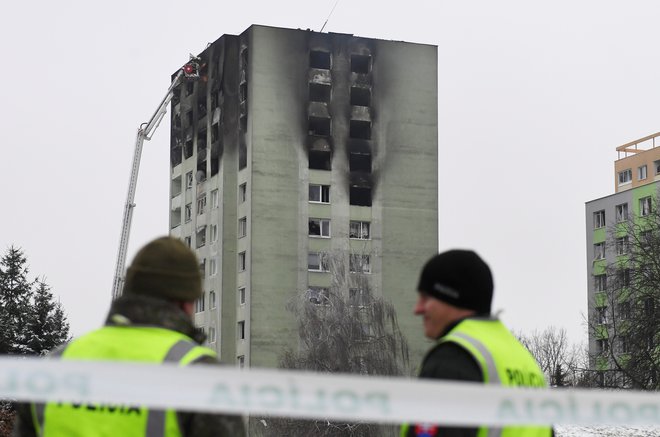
<point x="145" y="310"/>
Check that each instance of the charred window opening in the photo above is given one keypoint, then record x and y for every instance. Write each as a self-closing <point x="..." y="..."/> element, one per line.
<point x="319" y="59"/>
<point x="214" y="100"/>
<point x="319" y="92"/>
<point x="243" y="122"/>
<point x="190" y="87"/>
<point x="360" y="196"/>
<point x="175" y="156"/>
<point x="319" y="126"/>
<point x="177" y="121"/>
<point x="242" y="155"/>
<point x="201" y="140"/>
<point x="360" y="162"/>
<point x="360" y="96"/>
<point x="215" y="166"/>
<point x="176" y="95"/>
<point x="360" y="64"/>
<point x="188" y="150"/>
<point x="243" y="90"/>
<point x="320" y="160"/>
<point x="360" y="129"/>
<point x="215" y="132"/>
<point x="201" y="171"/>
<point x="244" y="58"/>
<point x="201" y="108"/>
<point x="189" y="118"/>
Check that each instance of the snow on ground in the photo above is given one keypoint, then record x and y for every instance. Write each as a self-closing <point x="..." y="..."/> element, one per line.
<point x="606" y="431"/>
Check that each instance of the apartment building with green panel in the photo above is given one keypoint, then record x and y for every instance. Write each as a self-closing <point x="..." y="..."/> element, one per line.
<point x="637" y="177"/>
<point x="294" y="144"/>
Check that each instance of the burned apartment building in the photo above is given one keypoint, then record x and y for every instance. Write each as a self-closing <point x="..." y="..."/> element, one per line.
<point x="293" y="145"/>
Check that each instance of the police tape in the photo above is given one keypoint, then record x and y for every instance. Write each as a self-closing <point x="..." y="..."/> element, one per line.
<point x="270" y="392"/>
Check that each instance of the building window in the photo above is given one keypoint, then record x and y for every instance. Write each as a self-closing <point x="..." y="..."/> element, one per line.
<point x="319" y="59"/>
<point x="319" y="92"/>
<point x="360" y="64"/>
<point x="603" y="345"/>
<point x="200" y="303"/>
<point x="656" y="164"/>
<point x="359" y="263"/>
<point x="624" y="310"/>
<point x="213" y="267"/>
<point x="215" y="199"/>
<point x="320" y="160"/>
<point x="360" y="96"/>
<point x="317" y="262"/>
<point x="200" y="237"/>
<point x="212" y="300"/>
<point x="599" y="251"/>
<point x="357" y="297"/>
<point x="600" y="282"/>
<point x="242" y="192"/>
<point x="241" y="296"/>
<point x="319" y="126"/>
<point x="319" y="227"/>
<point x="214" y="233"/>
<point x="211" y="337"/>
<point x="319" y="193"/>
<point x="359" y="230"/>
<point x="641" y="172"/>
<point x="188" y="212"/>
<point x="318" y="295"/>
<point x="201" y="205"/>
<point x="621" y="212"/>
<point x="189" y="180"/>
<point x="241" y="262"/>
<point x="359" y="196"/>
<point x="202" y="268"/>
<point x="624" y="342"/>
<point x="645" y="206"/>
<point x="599" y="219"/>
<point x="242" y="227"/>
<point x="601" y="315"/>
<point x="241" y="330"/>
<point x="240" y="360"/>
<point x="623" y="276"/>
<point x="176" y="186"/>
<point x="622" y="245"/>
<point x="188" y="241"/>
<point x="625" y="176"/>
<point x="359" y="129"/>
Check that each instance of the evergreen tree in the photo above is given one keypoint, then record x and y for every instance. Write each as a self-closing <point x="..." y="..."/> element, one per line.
<point x="47" y="326"/>
<point x="31" y="322"/>
<point x="15" y="294"/>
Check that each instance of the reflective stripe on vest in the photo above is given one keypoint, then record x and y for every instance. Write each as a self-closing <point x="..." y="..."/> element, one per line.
<point x="140" y="344"/>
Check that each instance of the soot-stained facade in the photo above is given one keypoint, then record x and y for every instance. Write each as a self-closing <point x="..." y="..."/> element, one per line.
<point x="292" y="146"/>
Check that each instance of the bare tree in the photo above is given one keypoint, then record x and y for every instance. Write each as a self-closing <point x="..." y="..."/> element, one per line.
<point x="623" y="322"/>
<point x="562" y="363"/>
<point x="343" y="328"/>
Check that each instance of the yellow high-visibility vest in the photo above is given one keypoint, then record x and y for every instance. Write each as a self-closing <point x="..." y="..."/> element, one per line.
<point x="119" y="343"/>
<point x="503" y="361"/>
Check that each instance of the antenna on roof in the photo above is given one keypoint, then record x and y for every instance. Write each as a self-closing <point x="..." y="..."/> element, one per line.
<point x="329" y="15"/>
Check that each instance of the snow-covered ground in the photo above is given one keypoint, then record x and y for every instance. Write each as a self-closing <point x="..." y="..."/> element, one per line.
<point x="606" y="431"/>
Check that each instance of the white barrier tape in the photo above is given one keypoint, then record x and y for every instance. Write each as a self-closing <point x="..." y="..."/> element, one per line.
<point x="312" y="395"/>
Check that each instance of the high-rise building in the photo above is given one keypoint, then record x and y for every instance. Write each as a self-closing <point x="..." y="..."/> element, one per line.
<point x="293" y="145"/>
<point x="615" y="227"/>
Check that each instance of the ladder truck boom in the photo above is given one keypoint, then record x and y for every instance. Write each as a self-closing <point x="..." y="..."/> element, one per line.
<point x="190" y="71"/>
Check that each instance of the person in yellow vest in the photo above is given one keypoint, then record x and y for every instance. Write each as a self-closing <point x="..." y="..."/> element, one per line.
<point x="151" y="323"/>
<point x="455" y="293"/>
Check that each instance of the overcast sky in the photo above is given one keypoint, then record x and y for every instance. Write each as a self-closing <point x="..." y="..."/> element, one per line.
<point x="533" y="99"/>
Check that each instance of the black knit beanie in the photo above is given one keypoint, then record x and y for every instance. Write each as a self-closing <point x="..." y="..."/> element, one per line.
<point x="165" y="268"/>
<point x="460" y="278"/>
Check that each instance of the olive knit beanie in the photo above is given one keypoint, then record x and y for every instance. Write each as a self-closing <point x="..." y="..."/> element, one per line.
<point x="460" y="278"/>
<point x="165" y="268"/>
